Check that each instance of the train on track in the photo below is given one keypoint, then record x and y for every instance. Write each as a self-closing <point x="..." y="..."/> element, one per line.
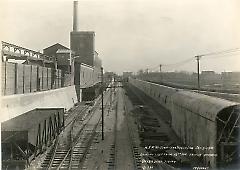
<point x="208" y="124"/>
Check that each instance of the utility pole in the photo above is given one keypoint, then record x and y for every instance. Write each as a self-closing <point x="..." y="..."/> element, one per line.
<point x="198" y="70"/>
<point x="209" y="54"/>
<point x="114" y="83"/>
<point x="102" y="106"/>
<point x="111" y="83"/>
<point x="160" y="70"/>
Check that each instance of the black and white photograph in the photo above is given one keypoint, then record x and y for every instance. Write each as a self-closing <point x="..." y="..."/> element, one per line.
<point x="120" y="84"/>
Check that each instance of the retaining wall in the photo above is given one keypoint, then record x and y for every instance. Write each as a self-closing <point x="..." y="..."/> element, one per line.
<point x="15" y="105"/>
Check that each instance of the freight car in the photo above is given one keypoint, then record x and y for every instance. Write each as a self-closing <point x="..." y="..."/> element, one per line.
<point x="210" y="125"/>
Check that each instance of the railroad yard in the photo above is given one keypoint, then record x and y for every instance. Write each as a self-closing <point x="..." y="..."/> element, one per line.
<point x="129" y="87"/>
<point x="131" y="130"/>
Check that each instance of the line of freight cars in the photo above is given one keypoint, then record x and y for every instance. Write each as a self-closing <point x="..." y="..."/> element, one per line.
<point x="200" y="120"/>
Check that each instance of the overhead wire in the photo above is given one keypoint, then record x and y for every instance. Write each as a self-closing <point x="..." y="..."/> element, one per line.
<point x="224" y="53"/>
<point x="221" y="56"/>
<point x="221" y="52"/>
<point x="179" y="63"/>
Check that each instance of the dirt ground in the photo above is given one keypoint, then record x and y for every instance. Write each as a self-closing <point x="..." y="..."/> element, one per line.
<point x="99" y="156"/>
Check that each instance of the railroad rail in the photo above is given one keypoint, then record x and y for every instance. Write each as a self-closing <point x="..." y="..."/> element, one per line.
<point x="70" y="152"/>
<point x="70" y="118"/>
<point x="60" y="155"/>
<point x="144" y="161"/>
<point x="134" y="148"/>
<point x="113" y="160"/>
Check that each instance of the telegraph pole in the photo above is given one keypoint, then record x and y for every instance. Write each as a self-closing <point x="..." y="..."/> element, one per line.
<point x="111" y="91"/>
<point x="209" y="54"/>
<point x="198" y="70"/>
<point x="102" y="105"/>
<point x="160" y="71"/>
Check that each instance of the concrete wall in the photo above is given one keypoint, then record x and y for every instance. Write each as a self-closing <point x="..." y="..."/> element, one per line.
<point x="193" y="114"/>
<point x="14" y="105"/>
<point x="22" y="78"/>
<point x="29" y="122"/>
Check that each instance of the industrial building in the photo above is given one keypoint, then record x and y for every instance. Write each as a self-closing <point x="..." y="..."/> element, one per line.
<point x="32" y="116"/>
<point x="86" y="60"/>
<point x="53" y="116"/>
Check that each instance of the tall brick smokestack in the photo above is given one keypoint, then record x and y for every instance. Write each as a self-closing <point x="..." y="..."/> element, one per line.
<point x="75" y="15"/>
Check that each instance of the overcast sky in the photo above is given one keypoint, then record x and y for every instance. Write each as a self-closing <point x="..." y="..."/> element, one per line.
<point x="132" y="34"/>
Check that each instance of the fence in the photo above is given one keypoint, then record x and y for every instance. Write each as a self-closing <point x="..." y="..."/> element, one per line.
<point x="21" y="78"/>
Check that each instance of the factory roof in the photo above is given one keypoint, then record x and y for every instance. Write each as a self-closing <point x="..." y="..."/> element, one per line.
<point x="57" y="45"/>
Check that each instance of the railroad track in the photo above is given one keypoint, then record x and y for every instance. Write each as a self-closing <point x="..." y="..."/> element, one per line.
<point x="113" y="151"/>
<point x="134" y="148"/>
<point x="113" y="160"/>
<point x="76" y="114"/>
<point x="140" y="102"/>
<point x="71" y="154"/>
<point x="72" y="157"/>
<point x="68" y="156"/>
